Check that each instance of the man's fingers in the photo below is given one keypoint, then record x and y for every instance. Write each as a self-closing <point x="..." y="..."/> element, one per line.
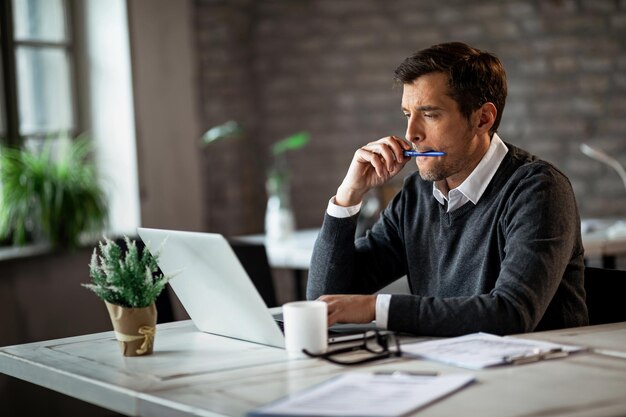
<point x="385" y="152"/>
<point x="373" y="159"/>
<point x="387" y="155"/>
<point x="379" y="165"/>
<point x="381" y="158"/>
<point x="332" y="308"/>
<point x="349" y="308"/>
<point x="396" y="146"/>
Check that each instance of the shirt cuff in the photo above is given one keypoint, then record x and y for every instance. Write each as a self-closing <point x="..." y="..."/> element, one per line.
<point x="382" y="310"/>
<point x="341" y="212"/>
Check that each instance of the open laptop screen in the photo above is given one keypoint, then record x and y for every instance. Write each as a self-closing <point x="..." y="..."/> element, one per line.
<point x="215" y="289"/>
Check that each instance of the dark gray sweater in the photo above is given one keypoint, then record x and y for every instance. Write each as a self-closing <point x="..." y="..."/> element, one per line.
<point x="512" y="263"/>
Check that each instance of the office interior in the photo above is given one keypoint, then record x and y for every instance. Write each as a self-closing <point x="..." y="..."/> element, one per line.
<point x="278" y="67"/>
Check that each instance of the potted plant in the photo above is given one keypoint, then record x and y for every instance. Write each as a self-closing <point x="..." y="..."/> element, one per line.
<point x="55" y="196"/>
<point x="279" y="219"/>
<point x="128" y="282"/>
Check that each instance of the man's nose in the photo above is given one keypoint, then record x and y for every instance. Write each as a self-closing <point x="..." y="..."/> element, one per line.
<point x="413" y="132"/>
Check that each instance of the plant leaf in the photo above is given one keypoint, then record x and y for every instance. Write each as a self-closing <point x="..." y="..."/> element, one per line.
<point x="292" y="142"/>
<point x="124" y="277"/>
<point x="58" y="194"/>
<point x="223" y="131"/>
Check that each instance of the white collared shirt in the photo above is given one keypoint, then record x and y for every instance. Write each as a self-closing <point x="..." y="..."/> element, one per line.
<point x="476" y="183"/>
<point x="471" y="189"/>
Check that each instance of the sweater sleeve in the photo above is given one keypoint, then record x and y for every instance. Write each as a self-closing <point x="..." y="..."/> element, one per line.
<point x="538" y="230"/>
<point x="341" y="265"/>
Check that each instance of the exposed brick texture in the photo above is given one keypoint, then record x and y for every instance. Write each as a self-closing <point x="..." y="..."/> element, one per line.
<point x="326" y="66"/>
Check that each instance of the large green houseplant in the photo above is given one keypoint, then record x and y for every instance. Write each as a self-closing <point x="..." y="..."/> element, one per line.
<point x="128" y="281"/>
<point x="51" y="194"/>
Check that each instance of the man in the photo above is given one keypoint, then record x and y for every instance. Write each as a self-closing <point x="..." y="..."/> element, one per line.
<point x="487" y="234"/>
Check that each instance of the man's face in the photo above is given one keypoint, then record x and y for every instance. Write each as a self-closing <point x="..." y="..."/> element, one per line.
<point x="434" y="122"/>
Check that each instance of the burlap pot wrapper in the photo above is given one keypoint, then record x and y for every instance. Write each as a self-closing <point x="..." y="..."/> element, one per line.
<point x="135" y="328"/>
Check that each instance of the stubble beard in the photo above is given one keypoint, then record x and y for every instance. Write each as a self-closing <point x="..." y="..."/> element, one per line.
<point x="436" y="173"/>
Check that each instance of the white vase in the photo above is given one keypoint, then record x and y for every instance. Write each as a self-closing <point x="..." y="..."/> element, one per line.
<point x="279" y="219"/>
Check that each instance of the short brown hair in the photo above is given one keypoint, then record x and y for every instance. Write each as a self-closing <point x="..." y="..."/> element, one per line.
<point x="474" y="77"/>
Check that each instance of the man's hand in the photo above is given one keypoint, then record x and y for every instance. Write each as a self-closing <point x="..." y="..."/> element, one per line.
<point x="350" y="308"/>
<point x="372" y="165"/>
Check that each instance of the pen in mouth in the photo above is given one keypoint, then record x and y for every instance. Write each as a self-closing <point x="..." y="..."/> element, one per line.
<point x="429" y="153"/>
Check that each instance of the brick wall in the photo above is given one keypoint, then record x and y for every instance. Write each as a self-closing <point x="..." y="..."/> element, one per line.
<point x="326" y="66"/>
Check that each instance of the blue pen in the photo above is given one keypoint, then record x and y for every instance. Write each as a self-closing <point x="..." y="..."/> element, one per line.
<point x="416" y="153"/>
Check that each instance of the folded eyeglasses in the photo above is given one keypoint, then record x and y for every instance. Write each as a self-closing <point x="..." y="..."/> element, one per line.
<point x="380" y="345"/>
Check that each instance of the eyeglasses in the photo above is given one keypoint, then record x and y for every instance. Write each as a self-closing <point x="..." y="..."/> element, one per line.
<point x="379" y="345"/>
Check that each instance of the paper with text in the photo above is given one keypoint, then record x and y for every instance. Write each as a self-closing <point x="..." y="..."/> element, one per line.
<point x="366" y="395"/>
<point x="482" y="350"/>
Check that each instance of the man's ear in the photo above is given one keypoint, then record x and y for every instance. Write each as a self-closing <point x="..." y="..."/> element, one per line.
<point x="486" y="117"/>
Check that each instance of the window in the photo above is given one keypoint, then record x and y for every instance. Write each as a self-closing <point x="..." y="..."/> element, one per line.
<point x="39" y="88"/>
<point x="38" y="96"/>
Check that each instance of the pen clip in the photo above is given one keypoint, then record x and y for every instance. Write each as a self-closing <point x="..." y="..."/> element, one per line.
<point x="535" y="355"/>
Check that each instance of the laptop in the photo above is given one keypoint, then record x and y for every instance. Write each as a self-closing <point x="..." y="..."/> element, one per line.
<point x="217" y="292"/>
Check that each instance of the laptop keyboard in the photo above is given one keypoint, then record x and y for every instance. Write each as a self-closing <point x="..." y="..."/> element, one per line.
<point x="281" y="325"/>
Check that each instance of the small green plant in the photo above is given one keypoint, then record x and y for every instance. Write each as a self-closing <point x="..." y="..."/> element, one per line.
<point x="278" y="174"/>
<point x="54" y="194"/>
<point x="295" y="141"/>
<point x="125" y="278"/>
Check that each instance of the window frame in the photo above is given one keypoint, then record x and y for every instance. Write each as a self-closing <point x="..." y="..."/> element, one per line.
<point x="9" y="46"/>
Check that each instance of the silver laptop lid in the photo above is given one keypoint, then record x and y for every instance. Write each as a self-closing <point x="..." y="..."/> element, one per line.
<point x="212" y="285"/>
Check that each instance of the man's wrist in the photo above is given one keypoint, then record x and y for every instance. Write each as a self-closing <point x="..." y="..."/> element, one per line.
<point x="382" y="310"/>
<point x="348" y="198"/>
<point x="335" y="210"/>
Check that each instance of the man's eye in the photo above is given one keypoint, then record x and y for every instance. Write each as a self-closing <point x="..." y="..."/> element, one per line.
<point x="407" y="115"/>
<point x="430" y="115"/>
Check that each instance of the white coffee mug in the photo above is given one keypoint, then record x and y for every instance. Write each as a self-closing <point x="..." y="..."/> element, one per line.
<point x="306" y="327"/>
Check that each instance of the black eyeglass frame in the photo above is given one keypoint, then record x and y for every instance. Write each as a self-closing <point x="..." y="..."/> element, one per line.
<point x="382" y="339"/>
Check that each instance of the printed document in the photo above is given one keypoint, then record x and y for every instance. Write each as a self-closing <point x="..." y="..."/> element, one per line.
<point x="482" y="350"/>
<point x="366" y="395"/>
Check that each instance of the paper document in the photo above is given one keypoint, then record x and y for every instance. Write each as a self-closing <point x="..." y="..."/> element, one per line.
<point x="366" y="395"/>
<point x="482" y="350"/>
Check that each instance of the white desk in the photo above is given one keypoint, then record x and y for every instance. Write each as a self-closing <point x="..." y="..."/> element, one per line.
<point x="197" y="374"/>
<point x="599" y="241"/>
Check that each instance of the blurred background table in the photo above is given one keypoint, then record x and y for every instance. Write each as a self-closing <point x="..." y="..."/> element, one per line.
<point x="292" y="253"/>
<point x="605" y="239"/>
<point x="602" y="238"/>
